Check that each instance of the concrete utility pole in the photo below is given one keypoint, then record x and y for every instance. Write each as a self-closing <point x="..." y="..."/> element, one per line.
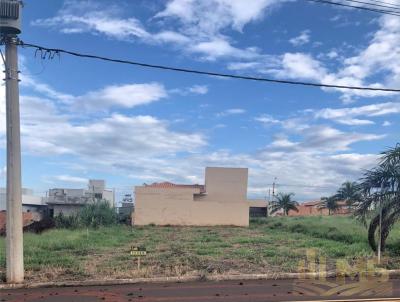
<point x="15" y="257"/>
<point x="9" y="27"/>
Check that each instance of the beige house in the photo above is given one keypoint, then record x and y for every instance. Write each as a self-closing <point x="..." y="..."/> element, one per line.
<point x="221" y="201"/>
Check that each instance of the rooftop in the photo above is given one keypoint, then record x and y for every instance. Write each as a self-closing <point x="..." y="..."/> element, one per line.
<point x="167" y="185"/>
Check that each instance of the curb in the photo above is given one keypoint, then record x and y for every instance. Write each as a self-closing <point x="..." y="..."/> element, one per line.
<point x="393" y="274"/>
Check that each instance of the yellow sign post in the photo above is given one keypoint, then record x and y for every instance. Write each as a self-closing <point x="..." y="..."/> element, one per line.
<point x="138" y="252"/>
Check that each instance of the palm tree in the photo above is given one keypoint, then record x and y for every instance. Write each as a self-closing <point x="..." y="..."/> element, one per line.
<point x="380" y="188"/>
<point x="349" y="192"/>
<point x="330" y="203"/>
<point x="284" y="202"/>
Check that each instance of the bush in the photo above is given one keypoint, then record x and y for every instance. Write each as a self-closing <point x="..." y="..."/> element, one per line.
<point x="97" y="214"/>
<point x="91" y="215"/>
<point x="66" y="222"/>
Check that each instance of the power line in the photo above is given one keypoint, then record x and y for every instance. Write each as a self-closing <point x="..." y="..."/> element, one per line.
<point x="56" y="51"/>
<point x="381" y="11"/>
<point x="386" y="3"/>
<point x="374" y="5"/>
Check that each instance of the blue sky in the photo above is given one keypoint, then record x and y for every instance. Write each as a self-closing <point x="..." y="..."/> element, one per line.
<point x="86" y="119"/>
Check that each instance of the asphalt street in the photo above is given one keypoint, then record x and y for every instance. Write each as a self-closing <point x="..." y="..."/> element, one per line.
<point x="256" y="290"/>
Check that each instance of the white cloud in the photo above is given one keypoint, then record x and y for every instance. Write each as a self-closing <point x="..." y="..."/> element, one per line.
<point x="220" y="47"/>
<point x="386" y="124"/>
<point x="329" y="139"/>
<point x="71" y="179"/>
<point x="109" y="138"/>
<point x="88" y="16"/>
<point x="209" y="17"/>
<point x="125" y="96"/>
<point x="199" y="89"/>
<point x="298" y="169"/>
<point x="300" y="66"/>
<point x="301" y="39"/>
<point x="47" y="128"/>
<point x="195" y="89"/>
<point x="199" y="29"/>
<point x="28" y="81"/>
<point x="332" y="54"/>
<point x="347" y="116"/>
<point x="232" y="111"/>
<point x="267" y="119"/>
<point x="145" y="147"/>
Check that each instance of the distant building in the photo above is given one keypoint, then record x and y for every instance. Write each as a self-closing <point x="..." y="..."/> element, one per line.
<point x="314" y="208"/>
<point x="30" y="202"/>
<point x="33" y="207"/>
<point x="127" y="206"/>
<point x="69" y="201"/>
<point x="258" y="208"/>
<point x="221" y="201"/>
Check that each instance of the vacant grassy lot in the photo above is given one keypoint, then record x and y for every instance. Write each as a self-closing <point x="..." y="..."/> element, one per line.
<point x="267" y="246"/>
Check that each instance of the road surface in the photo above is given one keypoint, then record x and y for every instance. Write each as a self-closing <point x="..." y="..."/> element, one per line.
<point x="222" y="291"/>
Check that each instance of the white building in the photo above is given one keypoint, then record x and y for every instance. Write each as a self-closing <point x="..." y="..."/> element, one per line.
<point x="69" y="201"/>
<point x="30" y="202"/>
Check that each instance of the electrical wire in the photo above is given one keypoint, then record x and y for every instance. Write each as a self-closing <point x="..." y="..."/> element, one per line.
<point x="373" y="5"/>
<point x="386" y="3"/>
<point x="386" y="12"/>
<point x="58" y="51"/>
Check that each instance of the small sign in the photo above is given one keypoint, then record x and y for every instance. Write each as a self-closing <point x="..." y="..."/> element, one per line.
<point x="138" y="251"/>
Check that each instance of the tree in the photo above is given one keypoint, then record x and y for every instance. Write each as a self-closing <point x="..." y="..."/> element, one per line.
<point x="330" y="203"/>
<point x="349" y="192"/>
<point x="380" y="189"/>
<point x="284" y="202"/>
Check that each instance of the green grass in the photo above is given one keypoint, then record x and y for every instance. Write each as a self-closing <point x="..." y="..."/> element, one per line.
<point x="268" y="245"/>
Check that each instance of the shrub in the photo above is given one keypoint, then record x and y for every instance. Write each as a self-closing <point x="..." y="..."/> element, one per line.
<point x="97" y="214"/>
<point x="66" y="222"/>
<point x="91" y="215"/>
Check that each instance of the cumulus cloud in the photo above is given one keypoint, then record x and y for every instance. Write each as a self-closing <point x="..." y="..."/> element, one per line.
<point x="304" y="171"/>
<point x="200" y="24"/>
<point x="111" y="137"/>
<point x="125" y="96"/>
<point x="202" y="27"/>
<point x="312" y="136"/>
<point x="145" y="147"/>
<point x="300" y="66"/>
<point x="348" y="116"/>
<point x="212" y="16"/>
<point x="88" y="16"/>
<point x="301" y="39"/>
